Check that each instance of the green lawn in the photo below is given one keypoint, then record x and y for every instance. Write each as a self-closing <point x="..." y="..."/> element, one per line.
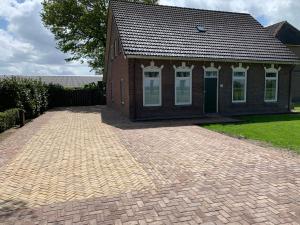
<point x="279" y="130"/>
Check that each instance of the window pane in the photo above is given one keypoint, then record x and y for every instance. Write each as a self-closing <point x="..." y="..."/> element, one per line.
<point x="182" y="74"/>
<point x="270" y="90"/>
<point x="211" y="74"/>
<point x="239" y="74"/>
<point x="152" y="91"/>
<point x="239" y="90"/>
<point x="151" y="74"/>
<point x="183" y="91"/>
<point x="271" y="75"/>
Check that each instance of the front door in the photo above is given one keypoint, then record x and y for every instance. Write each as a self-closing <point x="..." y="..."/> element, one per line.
<point x="211" y="93"/>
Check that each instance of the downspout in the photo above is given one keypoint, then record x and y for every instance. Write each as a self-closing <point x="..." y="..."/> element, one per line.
<point x="290" y="88"/>
<point x="134" y="88"/>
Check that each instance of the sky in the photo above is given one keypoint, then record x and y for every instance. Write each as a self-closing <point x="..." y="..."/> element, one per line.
<point x="28" y="48"/>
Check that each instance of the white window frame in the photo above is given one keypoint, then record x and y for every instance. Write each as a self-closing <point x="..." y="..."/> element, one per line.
<point x="240" y="68"/>
<point x="183" y="68"/>
<point x="212" y="68"/>
<point x="152" y="68"/>
<point x="272" y="69"/>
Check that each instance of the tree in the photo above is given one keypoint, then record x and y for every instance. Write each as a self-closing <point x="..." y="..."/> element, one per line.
<point x="79" y="27"/>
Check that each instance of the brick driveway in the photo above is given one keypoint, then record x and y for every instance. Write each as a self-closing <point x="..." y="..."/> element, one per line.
<point x="88" y="165"/>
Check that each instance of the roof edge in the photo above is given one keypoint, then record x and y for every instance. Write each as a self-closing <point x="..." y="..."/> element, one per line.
<point x="297" y="62"/>
<point x="181" y="7"/>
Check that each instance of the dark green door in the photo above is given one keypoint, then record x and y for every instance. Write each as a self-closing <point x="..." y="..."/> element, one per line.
<point x="211" y="85"/>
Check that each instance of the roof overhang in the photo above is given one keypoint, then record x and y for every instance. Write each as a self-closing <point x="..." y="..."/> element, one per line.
<point x="297" y="62"/>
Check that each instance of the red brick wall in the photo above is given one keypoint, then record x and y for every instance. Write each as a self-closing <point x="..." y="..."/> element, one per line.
<point x="296" y="76"/>
<point x="117" y="69"/>
<point x="255" y="91"/>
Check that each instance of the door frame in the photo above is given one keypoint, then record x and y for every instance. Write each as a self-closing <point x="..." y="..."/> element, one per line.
<point x="212" y="68"/>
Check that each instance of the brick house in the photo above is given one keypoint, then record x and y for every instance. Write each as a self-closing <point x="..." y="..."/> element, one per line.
<point x="172" y="62"/>
<point x="290" y="36"/>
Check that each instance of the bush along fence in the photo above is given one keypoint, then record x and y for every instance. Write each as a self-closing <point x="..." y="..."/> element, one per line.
<point x="9" y="118"/>
<point x="29" y="95"/>
<point x="30" y="98"/>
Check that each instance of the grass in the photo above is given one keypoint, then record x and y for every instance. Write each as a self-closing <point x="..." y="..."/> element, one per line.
<point x="278" y="130"/>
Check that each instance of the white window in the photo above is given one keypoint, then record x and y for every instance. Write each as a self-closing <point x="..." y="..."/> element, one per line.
<point x="183" y="85"/>
<point x="271" y="84"/>
<point x="152" y="85"/>
<point x="239" y="84"/>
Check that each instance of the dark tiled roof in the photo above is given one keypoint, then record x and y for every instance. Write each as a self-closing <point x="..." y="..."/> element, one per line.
<point x="285" y="32"/>
<point x="273" y="29"/>
<point x="66" y="81"/>
<point x="155" y="30"/>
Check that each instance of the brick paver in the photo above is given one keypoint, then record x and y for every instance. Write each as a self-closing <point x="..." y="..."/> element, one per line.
<point x="88" y="165"/>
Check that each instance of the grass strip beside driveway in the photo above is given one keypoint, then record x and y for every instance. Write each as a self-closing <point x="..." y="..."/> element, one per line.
<point x="279" y="130"/>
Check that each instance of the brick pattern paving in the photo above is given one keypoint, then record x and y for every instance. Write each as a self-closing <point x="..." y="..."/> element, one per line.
<point x="17" y="140"/>
<point x="152" y="173"/>
<point x="73" y="157"/>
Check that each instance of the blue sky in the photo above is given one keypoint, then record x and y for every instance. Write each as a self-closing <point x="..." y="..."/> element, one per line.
<point x="3" y="23"/>
<point x="28" y="48"/>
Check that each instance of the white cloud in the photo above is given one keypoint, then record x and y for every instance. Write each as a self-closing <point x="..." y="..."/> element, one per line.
<point x="27" y="47"/>
<point x="270" y="10"/>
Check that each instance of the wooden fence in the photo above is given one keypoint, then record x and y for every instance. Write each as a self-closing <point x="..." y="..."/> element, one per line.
<point x="80" y="97"/>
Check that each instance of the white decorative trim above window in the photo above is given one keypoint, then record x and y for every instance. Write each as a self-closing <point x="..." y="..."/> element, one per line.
<point x="212" y="69"/>
<point x="183" y="84"/>
<point x="152" y="85"/>
<point x="239" y="83"/>
<point x="271" y="84"/>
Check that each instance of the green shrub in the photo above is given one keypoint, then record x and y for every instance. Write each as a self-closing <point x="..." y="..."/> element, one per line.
<point x="34" y="97"/>
<point x="27" y="94"/>
<point x="8" y="119"/>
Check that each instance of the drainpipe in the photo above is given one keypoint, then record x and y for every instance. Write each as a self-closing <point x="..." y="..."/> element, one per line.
<point x="134" y="88"/>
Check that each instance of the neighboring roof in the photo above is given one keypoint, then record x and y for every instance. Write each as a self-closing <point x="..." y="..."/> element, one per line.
<point x="66" y="81"/>
<point x="285" y="32"/>
<point x="273" y="29"/>
<point x="167" y="31"/>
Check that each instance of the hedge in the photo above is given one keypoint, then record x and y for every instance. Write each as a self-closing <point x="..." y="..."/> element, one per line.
<point x="33" y="96"/>
<point x="27" y="94"/>
<point x="9" y="119"/>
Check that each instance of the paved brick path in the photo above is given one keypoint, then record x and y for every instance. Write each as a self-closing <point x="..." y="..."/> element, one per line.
<point x="88" y="165"/>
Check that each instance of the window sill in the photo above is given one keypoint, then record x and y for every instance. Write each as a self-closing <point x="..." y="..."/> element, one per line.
<point x="271" y="102"/>
<point x="151" y="106"/>
<point x="238" y="102"/>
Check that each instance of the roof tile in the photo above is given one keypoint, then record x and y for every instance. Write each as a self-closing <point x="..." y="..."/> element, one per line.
<point x="156" y="30"/>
